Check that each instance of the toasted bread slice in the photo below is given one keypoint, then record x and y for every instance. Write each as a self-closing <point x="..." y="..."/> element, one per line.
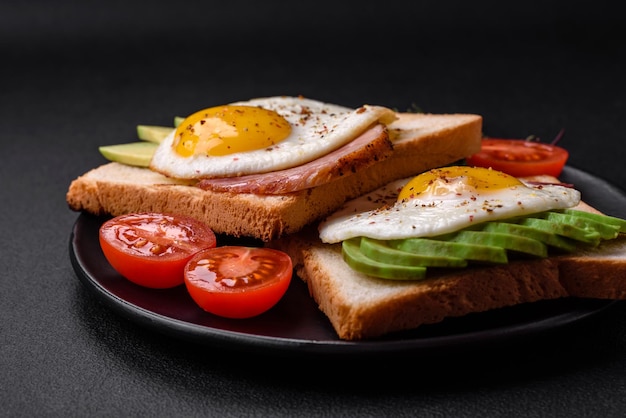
<point x="421" y="142"/>
<point x="363" y="307"/>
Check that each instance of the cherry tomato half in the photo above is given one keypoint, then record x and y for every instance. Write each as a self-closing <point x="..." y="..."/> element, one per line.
<point x="151" y="249"/>
<point x="519" y="157"/>
<point x="237" y="281"/>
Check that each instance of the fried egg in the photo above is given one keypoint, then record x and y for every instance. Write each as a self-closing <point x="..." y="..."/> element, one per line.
<point x="441" y="201"/>
<point x="261" y="135"/>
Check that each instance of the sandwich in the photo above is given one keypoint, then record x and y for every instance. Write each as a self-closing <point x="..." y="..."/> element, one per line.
<point x="322" y="177"/>
<point x="273" y="190"/>
<point x="455" y="241"/>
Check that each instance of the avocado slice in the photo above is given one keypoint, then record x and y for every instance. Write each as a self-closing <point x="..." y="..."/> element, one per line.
<point x="552" y="240"/>
<point x="570" y="231"/>
<point x="606" y="219"/>
<point x="517" y="243"/>
<point x="178" y="120"/>
<point x="134" y="153"/>
<point x="442" y="247"/>
<point x="351" y="252"/>
<point x="153" y="133"/>
<point x="379" y="251"/>
<point x="606" y="230"/>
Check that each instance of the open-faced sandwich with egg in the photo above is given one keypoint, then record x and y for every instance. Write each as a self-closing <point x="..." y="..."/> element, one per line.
<point x="267" y="167"/>
<point x="368" y="204"/>
<point x="453" y="241"/>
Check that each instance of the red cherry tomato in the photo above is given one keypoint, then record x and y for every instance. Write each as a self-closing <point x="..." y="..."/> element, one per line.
<point x="519" y="157"/>
<point x="151" y="249"/>
<point x="236" y="281"/>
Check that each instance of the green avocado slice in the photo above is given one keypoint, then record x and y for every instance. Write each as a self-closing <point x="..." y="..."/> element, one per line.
<point x="152" y="133"/>
<point x="134" y="153"/>
<point x="510" y="242"/>
<point x="353" y="256"/>
<point x="442" y="247"/>
<point x="552" y="240"/>
<point x="570" y="231"/>
<point x="379" y="251"/>
<point x="598" y="217"/>
<point x="606" y="230"/>
<point x="178" y="120"/>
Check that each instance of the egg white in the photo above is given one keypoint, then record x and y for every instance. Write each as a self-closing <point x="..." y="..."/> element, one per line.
<point x="378" y="215"/>
<point x="326" y="128"/>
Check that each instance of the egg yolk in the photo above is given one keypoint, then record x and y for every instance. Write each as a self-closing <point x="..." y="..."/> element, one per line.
<point x="448" y="182"/>
<point x="224" y="130"/>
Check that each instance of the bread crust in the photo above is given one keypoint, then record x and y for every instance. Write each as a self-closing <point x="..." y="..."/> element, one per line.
<point x="426" y="141"/>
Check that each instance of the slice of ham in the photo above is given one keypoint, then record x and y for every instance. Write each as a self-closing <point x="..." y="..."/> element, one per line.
<point x="368" y="148"/>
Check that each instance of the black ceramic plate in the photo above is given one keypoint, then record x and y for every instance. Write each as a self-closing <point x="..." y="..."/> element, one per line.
<point x="295" y="325"/>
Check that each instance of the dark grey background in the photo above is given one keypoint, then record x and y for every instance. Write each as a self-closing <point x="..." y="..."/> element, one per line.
<point x="76" y="75"/>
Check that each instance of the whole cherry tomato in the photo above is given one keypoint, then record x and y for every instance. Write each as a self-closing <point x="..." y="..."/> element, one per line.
<point x="151" y="249"/>
<point x="238" y="281"/>
<point x="520" y="158"/>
